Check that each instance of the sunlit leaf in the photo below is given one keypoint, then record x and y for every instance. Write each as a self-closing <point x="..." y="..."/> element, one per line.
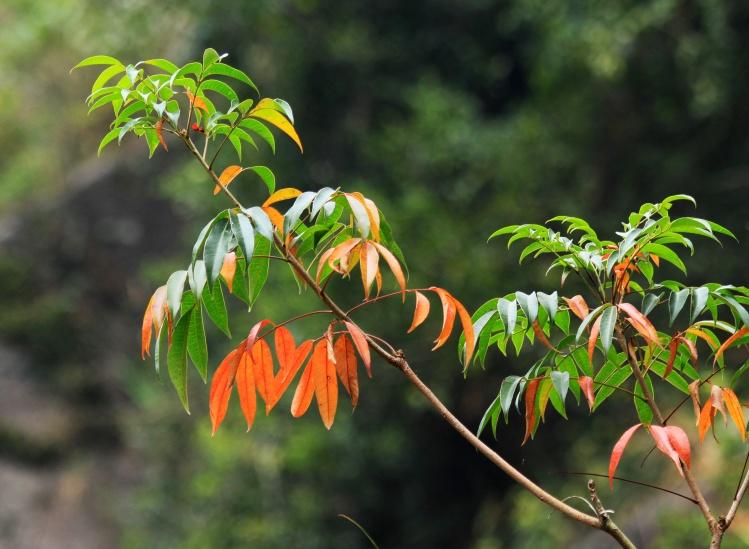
<point x="325" y="382"/>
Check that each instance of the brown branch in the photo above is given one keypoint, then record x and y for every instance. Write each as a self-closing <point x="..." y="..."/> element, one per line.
<point x="607" y="525"/>
<point x="398" y="361"/>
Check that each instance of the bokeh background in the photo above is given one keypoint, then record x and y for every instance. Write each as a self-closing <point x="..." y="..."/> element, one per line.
<point x="457" y="118"/>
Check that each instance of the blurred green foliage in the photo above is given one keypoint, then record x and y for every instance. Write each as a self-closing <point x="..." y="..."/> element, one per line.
<point x="456" y="117"/>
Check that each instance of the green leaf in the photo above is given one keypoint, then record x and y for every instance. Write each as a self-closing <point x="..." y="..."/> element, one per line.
<point x="561" y="382"/>
<point x="508" y="312"/>
<point x="699" y="300"/>
<point x="106" y="75"/>
<point x="215" y="249"/>
<point x="197" y="347"/>
<point x="213" y="300"/>
<point x="649" y="301"/>
<point x="160" y="343"/>
<point x="197" y="277"/>
<point x="293" y="214"/>
<point x="529" y="304"/>
<point x="261" y="130"/>
<point x="163" y="64"/>
<point x="227" y="70"/>
<point x="665" y="253"/>
<point x="258" y="269"/>
<point x="676" y="303"/>
<point x="644" y="412"/>
<point x="221" y="88"/>
<point x="263" y="225"/>
<point x="210" y="56"/>
<point x="174" y="288"/>
<point x="176" y="359"/>
<point x="588" y="319"/>
<point x="242" y="229"/>
<point x="613" y="378"/>
<point x="549" y="302"/>
<point x="506" y="392"/>
<point x="488" y="415"/>
<point x="608" y="322"/>
<point x="97" y="60"/>
<point x="266" y="175"/>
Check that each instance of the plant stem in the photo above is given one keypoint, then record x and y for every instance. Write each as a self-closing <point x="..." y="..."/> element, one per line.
<point x="397" y="360"/>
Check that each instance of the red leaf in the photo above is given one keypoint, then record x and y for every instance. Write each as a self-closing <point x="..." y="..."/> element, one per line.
<point x="467" y="324"/>
<point x="530" y="408"/>
<point x="326" y="384"/>
<point x="680" y="442"/>
<point x="578" y="306"/>
<point x="159" y="132"/>
<point x="594" y="331"/>
<point x="301" y="355"/>
<point x="252" y="336"/>
<point x="672" y="348"/>
<point x="691" y="347"/>
<point x="541" y="336"/>
<point x="262" y="368"/>
<point x="345" y="364"/>
<point x="586" y="384"/>
<point x="229" y="269"/>
<point x="663" y="443"/>
<point x="448" y="317"/>
<point x="694" y="393"/>
<point x="145" y="331"/>
<point x="421" y="311"/>
<point x="734" y="410"/>
<point x="360" y="342"/>
<point x="616" y="453"/>
<point x="246" y="389"/>
<point x="640" y="322"/>
<point x="303" y="394"/>
<point x="706" y="419"/>
<point x="221" y="385"/>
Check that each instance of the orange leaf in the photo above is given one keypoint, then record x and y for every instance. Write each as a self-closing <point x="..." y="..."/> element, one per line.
<point x="578" y="306"/>
<point x="541" y="336"/>
<point x="706" y="419"/>
<point x="421" y="311"/>
<point x="672" y="348"/>
<point x="285" y="350"/>
<point x="197" y="102"/>
<point x="689" y="344"/>
<point x="326" y="384"/>
<point x="227" y="176"/>
<point x="730" y="341"/>
<point x="280" y="122"/>
<point x="145" y="331"/>
<point x="448" y="316"/>
<point x="221" y="385"/>
<point x="159" y="132"/>
<point x="262" y="368"/>
<point x="360" y="342"/>
<point x="394" y="267"/>
<point x="345" y="364"/>
<point x="530" y="408"/>
<point x="734" y="410"/>
<point x="616" y="453"/>
<point x="303" y="394"/>
<point x="369" y="261"/>
<point x="229" y="269"/>
<point x="341" y="253"/>
<point x="275" y="217"/>
<point x="663" y="443"/>
<point x="246" y="389"/>
<point x="282" y="194"/>
<point x="703" y="335"/>
<point x="465" y="321"/>
<point x="640" y="322"/>
<point x="594" y="331"/>
<point x="680" y="443"/>
<point x="159" y="308"/>
<point x="586" y="384"/>
<point x="301" y="355"/>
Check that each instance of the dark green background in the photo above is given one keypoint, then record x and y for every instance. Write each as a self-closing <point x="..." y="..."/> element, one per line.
<point x="456" y="118"/>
